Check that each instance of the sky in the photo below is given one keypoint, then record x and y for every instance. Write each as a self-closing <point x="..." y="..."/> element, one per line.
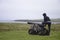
<point x="29" y="9"/>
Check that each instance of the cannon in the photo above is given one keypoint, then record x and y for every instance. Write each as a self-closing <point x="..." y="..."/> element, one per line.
<point x="37" y="29"/>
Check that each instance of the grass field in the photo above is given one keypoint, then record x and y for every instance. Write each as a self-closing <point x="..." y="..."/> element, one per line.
<point x="16" y="31"/>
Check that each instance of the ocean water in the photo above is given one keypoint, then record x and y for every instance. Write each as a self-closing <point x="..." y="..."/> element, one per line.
<point x="9" y="21"/>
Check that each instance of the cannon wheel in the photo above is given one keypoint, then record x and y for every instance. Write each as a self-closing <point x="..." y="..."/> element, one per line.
<point x="45" y="32"/>
<point x="31" y="31"/>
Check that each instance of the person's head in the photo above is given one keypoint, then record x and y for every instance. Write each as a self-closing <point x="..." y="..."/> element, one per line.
<point x="44" y="14"/>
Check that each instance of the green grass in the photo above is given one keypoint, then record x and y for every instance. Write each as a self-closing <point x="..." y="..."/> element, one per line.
<point x="13" y="31"/>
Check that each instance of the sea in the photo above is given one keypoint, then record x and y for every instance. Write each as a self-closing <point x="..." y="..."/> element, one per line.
<point x="11" y="21"/>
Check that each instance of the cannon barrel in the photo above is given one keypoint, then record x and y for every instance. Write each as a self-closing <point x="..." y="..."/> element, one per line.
<point x="32" y="23"/>
<point x="41" y="25"/>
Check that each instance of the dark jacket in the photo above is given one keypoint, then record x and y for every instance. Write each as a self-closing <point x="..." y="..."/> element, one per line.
<point x="46" y="18"/>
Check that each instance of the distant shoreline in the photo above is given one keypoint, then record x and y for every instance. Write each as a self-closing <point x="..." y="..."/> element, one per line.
<point x="25" y="22"/>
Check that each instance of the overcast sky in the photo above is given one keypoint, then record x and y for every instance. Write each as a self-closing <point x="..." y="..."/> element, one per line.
<point x="28" y="9"/>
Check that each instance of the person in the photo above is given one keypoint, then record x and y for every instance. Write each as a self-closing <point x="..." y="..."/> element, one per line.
<point x="47" y="21"/>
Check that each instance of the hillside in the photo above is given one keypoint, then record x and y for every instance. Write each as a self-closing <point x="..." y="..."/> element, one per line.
<point x="56" y="20"/>
<point x="39" y="20"/>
